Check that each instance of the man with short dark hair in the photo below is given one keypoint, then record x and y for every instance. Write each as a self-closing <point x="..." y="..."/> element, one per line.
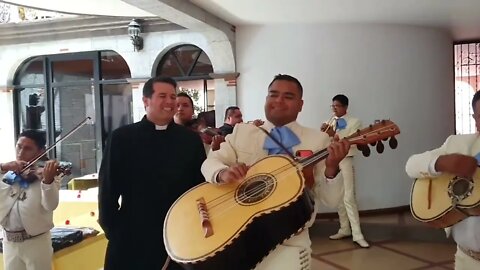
<point x="27" y="202"/>
<point x="248" y="144"/>
<point x="148" y="164"/>
<point x="345" y="125"/>
<point x="233" y="116"/>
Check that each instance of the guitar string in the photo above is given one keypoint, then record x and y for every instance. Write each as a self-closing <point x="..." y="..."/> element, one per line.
<point x="260" y="189"/>
<point x="221" y="211"/>
<point x="274" y="173"/>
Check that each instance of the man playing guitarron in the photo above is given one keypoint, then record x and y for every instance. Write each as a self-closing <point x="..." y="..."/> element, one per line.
<point x="248" y="144"/>
<point x="459" y="156"/>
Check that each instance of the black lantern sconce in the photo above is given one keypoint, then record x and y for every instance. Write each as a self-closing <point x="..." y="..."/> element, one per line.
<point x="134" y="30"/>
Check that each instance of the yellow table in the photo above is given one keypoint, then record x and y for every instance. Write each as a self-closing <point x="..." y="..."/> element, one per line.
<point x="84" y="182"/>
<point x="81" y="210"/>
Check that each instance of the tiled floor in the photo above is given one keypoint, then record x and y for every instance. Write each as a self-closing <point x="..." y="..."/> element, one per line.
<point x="397" y="242"/>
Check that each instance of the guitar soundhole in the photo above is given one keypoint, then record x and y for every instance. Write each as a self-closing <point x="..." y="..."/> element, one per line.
<point x="255" y="189"/>
<point x="460" y="188"/>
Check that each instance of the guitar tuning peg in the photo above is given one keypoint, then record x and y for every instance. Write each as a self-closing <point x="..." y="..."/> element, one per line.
<point x="366" y="152"/>
<point x="393" y="142"/>
<point x="360" y="147"/>
<point x="373" y="143"/>
<point x="380" y="147"/>
<point x="364" y="149"/>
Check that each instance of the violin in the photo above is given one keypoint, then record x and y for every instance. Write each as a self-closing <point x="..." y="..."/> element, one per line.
<point x="31" y="173"/>
<point x="210" y="131"/>
<point x="35" y="173"/>
<point x="256" y="122"/>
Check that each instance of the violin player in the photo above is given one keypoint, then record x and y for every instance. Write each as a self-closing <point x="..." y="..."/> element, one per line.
<point x="27" y="202"/>
<point x="248" y="144"/>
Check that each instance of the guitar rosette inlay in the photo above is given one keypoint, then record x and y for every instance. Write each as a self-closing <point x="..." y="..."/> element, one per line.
<point x="460" y="188"/>
<point x="255" y="189"/>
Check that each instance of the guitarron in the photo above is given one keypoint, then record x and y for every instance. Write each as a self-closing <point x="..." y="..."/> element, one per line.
<point x="445" y="200"/>
<point x="233" y="226"/>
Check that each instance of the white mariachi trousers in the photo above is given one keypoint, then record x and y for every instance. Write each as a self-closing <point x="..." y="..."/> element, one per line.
<point x="347" y="209"/>
<point x="32" y="254"/>
<point x="294" y="254"/>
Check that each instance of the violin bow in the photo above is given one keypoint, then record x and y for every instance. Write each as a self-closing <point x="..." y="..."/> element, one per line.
<point x="39" y="156"/>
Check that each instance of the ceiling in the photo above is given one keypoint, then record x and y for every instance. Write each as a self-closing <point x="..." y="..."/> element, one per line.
<point x="460" y="17"/>
<point x="86" y="7"/>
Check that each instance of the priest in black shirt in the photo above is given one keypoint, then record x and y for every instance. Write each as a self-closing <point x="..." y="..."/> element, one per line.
<point x="148" y="164"/>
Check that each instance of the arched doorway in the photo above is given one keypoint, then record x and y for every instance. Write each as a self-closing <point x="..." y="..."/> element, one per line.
<point x="191" y="68"/>
<point x="53" y="93"/>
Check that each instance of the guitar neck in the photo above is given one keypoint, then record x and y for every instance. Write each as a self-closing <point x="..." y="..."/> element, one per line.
<point x="314" y="158"/>
<point x="373" y="134"/>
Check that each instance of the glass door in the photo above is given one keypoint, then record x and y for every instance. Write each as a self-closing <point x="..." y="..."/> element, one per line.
<point x="74" y="95"/>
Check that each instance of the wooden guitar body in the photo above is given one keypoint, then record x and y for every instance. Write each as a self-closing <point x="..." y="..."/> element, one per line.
<point x="233" y="226"/>
<point x="445" y="200"/>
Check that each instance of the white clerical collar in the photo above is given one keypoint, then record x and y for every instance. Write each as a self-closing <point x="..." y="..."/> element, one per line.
<point x="157" y="127"/>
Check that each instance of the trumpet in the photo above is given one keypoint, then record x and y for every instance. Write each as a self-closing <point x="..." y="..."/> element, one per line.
<point x="330" y="124"/>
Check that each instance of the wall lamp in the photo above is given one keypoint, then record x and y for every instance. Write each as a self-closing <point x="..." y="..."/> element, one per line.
<point x="134" y="30"/>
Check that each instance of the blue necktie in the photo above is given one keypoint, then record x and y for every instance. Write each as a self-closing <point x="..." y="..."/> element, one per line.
<point x="285" y="136"/>
<point x="478" y="158"/>
<point x="341" y="124"/>
<point x="12" y="178"/>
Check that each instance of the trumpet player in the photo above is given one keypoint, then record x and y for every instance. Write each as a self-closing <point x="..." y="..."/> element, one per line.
<point x="344" y="125"/>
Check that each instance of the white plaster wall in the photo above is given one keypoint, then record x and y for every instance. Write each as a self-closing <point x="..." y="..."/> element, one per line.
<point x="7" y="143"/>
<point x="398" y="72"/>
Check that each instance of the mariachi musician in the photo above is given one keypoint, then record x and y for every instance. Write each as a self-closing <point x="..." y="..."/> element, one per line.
<point x="459" y="155"/>
<point x="27" y="201"/>
<point x="248" y="144"/>
<point x="345" y="125"/>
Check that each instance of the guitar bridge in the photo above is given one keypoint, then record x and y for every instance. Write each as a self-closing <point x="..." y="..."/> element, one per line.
<point x="204" y="217"/>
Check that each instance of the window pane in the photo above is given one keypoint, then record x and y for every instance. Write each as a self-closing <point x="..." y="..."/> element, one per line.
<point x="184" y="61"/>
<point x="210" y="95"/>
<point x="113" y="66"/>
<point x="72" y="105"/>
<point x="203" y="65"/>
<point x="195" y="89"/>
<point x="32" y="109"/>
<point x="169" y="67"/>
<point x="467" y="82"/>
<point x="72" y="70"/>
<point x="186" y="56"/>
<point x="31" y="72"/>
<point x="117" y="107"/>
